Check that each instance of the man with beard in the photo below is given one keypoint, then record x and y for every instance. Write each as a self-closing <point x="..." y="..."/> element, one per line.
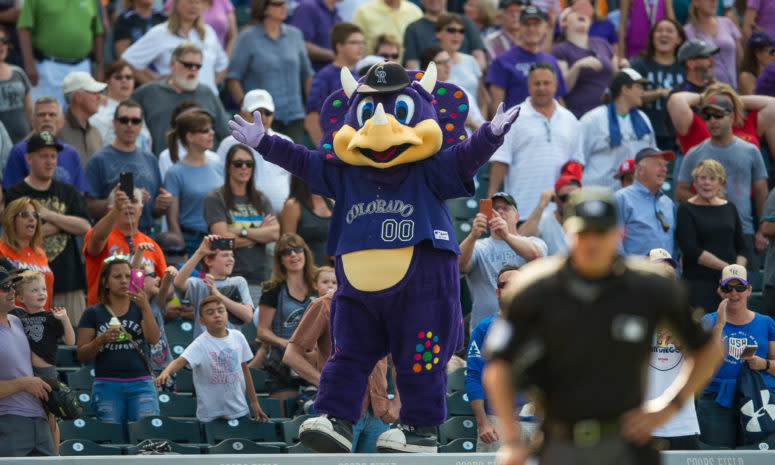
<point x="46" y="116"/>
<point x="697" y="58"/>
<point x="158" y="98"/>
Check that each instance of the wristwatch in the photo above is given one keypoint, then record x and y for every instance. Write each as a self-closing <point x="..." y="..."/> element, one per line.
<point x="243" y="233"/>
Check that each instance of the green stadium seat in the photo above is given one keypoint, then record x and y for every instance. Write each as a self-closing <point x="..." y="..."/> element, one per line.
<point x="66" y="356"/>
<point x="458" y="446"/>
<point x="245" y="428"/>
<point x="456" y="381"/>
<point x="92" y="429"/>
<point x="457" y="428"/>
<point x="462" y="229"/>
<point x="85" y="447"/>
<point x="290" y="428"/>
<point x="84" y="397"/>
<point x="259" y="380"/>
<point x="756" y="302"/>
<point x="272" y="407"/>
<point x="299" y="448"/>
<point x="164" y="428"/>
<point x="184" y="380"/>
<point x="756" y="278"/>
<point x="177" y="405"/>
<point x="249" y="330"/>
<point x="463" y="209"/>
<point x="82" y="379"/>
<point x="244" y="446"/>
<point x="180" y="333"/>
<point x="458" y="405"/>
<point x="188" y="449"/>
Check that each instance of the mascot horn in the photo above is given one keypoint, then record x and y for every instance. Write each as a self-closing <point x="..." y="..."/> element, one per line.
<point x="393" y="151"/>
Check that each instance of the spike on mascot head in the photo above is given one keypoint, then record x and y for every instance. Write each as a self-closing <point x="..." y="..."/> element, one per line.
<point x="392" y="117"/>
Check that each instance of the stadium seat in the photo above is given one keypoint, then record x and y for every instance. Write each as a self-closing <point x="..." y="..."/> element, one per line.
<point x="459" y="445"/>
<point x="245" y="428"/>
<point x="86" y="447"/>
<point x="180" y="333"/>
<point x="66" y="357"/>
<point x="458" y="405"/>
<point x="259" y="380"/>
<point x="249" y="330"/>
<point x="92" y="429"/>
<point x="82" y="379"/>
<point x="271" y="407"/>
<point x="756" y="302"/>
<point x="457" y="428"/>
<point x="290" y="429"/>
<point x="244" y="446"/>
<point x="456" y="381"/>
<point x="299" y="449"/>
<point x="462" y="229"/>
<point x="463" y="209"/>
<point x="177" y="405"/>
<point x="164" y="428"/>
<point x="190" y="449"/>
<point x="184" y="380"/>
<point x="756" y="278"/>
<point x="84" y="397"/>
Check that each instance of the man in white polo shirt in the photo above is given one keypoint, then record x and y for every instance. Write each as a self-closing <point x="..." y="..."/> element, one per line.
<point x="544" y="138"/>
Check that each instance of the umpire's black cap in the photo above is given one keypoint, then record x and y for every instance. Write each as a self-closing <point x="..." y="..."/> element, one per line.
<point x="590" y="209"/>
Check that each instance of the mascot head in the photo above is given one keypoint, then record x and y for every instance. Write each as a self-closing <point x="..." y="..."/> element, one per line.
<point x="392" y="117"/>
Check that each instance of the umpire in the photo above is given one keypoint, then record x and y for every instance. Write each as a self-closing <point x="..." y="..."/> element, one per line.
<point x="577" y="331"/>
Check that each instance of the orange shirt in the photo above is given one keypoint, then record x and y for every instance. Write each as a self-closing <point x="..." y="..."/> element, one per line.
<point x="117" y="244"/>
<point x="33" y="260"/>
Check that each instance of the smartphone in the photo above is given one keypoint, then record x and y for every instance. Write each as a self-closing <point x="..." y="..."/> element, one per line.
<point x="749" y="350"/>
<point x="136" y="280"/>
<point x="224" y="243"/>
<point x="126" y="180"/>
<point x="485" y="207"/>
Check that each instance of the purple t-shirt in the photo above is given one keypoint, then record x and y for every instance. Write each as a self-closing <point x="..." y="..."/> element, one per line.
<point x="765" y="83"/>
<point x="510" y="69"/>
<point x="325" y="82"/>
<point x="15" y="363"/>
<point x="590" y="84"/>
<point x="69" y="169"/>
<point x="765" y="14"/>
<point x="604" y="29"/>
<point x="315" y="21"/>
<point x="725" y="61"/>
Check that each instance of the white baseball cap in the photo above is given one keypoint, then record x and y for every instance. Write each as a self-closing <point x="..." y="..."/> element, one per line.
<point x="257" y="98"/>
<point x="731" y="272"/>
<point x="81" y="80"/>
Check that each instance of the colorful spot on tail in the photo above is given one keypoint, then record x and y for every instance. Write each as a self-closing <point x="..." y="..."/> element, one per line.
<point x="427" y="351"/>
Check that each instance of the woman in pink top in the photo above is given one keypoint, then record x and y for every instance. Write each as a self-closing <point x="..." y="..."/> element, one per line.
<point x="721" y="31"/>
<point x="220" y="16"/>
<point x="636" y="20"/>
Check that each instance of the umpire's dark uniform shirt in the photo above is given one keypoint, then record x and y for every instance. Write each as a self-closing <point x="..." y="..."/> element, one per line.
<point x="595" y="336"/>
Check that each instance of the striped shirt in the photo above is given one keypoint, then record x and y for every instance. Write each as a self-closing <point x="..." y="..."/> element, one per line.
<point x="536" y="148"/>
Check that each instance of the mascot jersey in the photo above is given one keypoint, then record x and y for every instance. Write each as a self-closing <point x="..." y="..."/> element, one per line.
<point x="393" y="151"/>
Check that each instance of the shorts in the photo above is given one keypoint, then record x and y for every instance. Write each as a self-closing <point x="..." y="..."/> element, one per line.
<point x="45" y="372"/>
<point x="25" y="436"/>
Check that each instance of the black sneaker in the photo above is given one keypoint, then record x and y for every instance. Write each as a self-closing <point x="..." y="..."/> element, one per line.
<point x="327" y="434"/>
<point x="409" y="439"/>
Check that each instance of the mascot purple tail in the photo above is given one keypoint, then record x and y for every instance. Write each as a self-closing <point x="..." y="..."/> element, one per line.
<point x="394" y="150"/>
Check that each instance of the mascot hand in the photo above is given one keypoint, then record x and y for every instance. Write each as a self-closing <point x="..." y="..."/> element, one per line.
<point x="502" y="120"/>
<point x="247" y="133"/>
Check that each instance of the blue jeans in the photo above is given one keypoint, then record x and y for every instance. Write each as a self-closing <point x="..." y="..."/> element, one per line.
<point x="718" y="424"/>
<point x="123" y="401"/>
<point x="366" y="432"/>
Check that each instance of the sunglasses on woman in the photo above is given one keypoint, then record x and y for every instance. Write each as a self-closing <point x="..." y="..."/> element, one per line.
<point x="27" y="214"/>
<point x="455" y="30"/>
<point x="288" y="251"/>
<point x="740" y="288"/>
<point x="241" y="163"/>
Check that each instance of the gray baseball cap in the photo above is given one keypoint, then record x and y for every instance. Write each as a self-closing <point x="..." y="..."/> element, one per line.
<point x="695" y="48"/>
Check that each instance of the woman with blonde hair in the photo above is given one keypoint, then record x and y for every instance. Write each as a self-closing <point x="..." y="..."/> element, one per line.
<point x="720" y="31"/>
<point x="185" y="24"/>
<point x="22" y="238"/>
<point x="710" y="234"/>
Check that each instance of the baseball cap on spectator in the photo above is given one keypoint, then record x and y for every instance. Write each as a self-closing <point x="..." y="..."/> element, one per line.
<point x="695" y="48"/>
<point x="507" y="197"/>
<point x="8" y="276"/>
<point x="625" y="167"/>
<point x="760" y="39"/>
<point x="564" y="180"/>
<point x="42" y="139"/>
<point x="504" y="3"/>
<point x="626" y="77"/>
<point x="654" y="152"/>
<point x="8" y="265"/>
<point x="662" y="255"/>
<point x="590" y="209"/>
<point x="257" y="98"/>
<point x="731" y="272"/>
<point x="719" y="103"/>
<point x="531" y="11"/>
<point x="81" y="80"/>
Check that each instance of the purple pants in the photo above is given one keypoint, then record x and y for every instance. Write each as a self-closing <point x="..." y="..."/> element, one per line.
<point x="418" y="321"/>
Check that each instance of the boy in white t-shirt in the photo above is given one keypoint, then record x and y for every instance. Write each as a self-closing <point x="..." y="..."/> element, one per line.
<point x="219" y="358"/>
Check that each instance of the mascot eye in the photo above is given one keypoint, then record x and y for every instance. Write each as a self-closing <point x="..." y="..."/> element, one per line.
<point x="365" y="110"/>
<point x="404" y="109"/>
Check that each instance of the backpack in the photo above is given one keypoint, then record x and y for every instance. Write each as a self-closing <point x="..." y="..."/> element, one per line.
<point x="756" y="405"/>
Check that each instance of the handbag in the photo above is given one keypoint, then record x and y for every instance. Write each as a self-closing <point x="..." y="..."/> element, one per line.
<point x="273" y="364"/>
<point x="62" y="401"/>
<point x="756" y="405"/>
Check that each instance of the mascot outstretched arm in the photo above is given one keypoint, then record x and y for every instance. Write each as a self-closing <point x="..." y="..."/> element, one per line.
<point x="394" y="150"/>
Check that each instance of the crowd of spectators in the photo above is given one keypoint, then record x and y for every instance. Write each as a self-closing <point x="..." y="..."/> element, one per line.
<point x="669" y="103"/>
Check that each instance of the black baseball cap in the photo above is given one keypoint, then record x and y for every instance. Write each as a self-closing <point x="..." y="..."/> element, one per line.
<point x="531" y="11"/>
<point x="8" y="276"/>
<point x="507" y="197"/>
<point x="626" y="77"/>
<point x="590" y="209"/>
<point x="695" y="48"/>
<point x="504" y="3"/>
<point x="760" y="39"/>
<point x="42" y="139"/>
<point x="384" y="78"/>
<point x="669" y="155"/>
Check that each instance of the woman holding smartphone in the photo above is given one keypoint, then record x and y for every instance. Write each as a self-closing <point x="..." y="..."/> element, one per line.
<point x="741" y="330"/>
